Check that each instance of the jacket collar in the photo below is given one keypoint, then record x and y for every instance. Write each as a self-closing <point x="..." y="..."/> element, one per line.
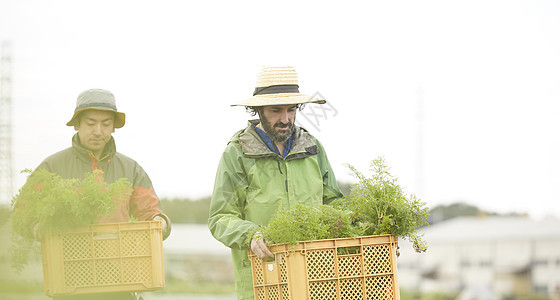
<point x="252" y="145"/>
<point x="270" y="144"/>
<point x="83" y="152"/>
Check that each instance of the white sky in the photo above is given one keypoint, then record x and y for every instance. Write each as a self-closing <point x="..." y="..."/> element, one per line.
<point x="488" y="71"/>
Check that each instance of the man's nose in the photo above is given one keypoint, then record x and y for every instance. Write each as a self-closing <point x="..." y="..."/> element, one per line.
<point x="97" y="129"/>
<point x="284" y="117"/>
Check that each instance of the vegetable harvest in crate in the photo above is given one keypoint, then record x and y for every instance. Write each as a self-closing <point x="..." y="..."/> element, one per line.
<point x="376" y="205"/>
<point x="57" y="204"/>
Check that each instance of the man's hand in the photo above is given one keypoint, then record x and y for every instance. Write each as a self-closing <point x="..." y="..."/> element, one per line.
<point x="163" y="223"/>
<point x="259" y="247"/>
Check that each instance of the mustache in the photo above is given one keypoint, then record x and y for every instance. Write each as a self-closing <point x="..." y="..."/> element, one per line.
<point x="283" y="125"/>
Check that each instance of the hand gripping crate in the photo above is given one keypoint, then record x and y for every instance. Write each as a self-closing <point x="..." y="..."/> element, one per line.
<point x="104" y="258"/>
<point x="347" y="268"/>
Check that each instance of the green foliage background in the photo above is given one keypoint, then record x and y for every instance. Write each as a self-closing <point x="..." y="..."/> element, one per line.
<point x="186" y="210"/>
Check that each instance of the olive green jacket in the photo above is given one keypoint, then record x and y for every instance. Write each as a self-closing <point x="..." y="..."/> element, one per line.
<point x="252" y="182"/>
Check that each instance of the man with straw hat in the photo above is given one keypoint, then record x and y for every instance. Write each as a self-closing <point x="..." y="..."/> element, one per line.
<point x="270" y="163"/>
<point x="93" y="147"/>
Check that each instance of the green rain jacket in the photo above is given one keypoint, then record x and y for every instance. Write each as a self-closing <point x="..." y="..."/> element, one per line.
<point x="76" y="161"/>
<point x="252" y="182"/>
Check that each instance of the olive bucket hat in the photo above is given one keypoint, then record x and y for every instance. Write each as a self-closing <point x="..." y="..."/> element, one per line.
<point x="277" y="86"/>
<point x="97" y="99"/>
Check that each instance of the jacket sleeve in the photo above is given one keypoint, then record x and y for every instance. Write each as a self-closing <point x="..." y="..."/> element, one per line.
<point x="226" y="216"/>
<point x="144" y="203"/>
<point x="331" y="190"/>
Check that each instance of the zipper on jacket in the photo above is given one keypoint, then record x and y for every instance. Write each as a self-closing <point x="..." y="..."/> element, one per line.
<point x="280" y="169"/>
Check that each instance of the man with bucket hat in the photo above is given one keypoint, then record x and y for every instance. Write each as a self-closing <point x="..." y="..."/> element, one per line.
<point x="93" y="147"/>
<point x="270" y="163"/>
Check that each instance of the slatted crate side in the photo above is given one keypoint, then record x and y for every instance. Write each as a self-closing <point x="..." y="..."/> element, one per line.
<point x="103" y="258"/>
<point x="348" y="268"/>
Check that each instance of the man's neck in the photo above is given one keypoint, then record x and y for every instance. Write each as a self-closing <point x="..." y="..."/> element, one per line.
<point x="280" y="147"/>
<point x="97" y="154"/>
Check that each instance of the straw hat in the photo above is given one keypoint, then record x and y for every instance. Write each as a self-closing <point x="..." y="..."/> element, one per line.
<point x="97" y="99"/>
<point x="277" y="86"/>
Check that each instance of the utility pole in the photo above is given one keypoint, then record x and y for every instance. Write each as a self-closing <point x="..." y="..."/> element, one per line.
<point x="6" y="176"/>
<point x="420" y="144"/>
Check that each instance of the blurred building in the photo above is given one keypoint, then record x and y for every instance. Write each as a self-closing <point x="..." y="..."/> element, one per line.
<point x="509" y="256"/>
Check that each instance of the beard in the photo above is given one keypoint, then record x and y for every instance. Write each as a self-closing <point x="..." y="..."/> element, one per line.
<point x="279" y="132"/>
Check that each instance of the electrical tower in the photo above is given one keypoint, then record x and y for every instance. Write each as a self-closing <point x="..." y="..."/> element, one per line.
<point x="420" y="183"/>
<point x="6" y="177"/>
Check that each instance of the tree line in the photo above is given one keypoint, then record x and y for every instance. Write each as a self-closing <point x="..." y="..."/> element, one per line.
<point x="183" y="210"/>
<point x="196" y="211"/>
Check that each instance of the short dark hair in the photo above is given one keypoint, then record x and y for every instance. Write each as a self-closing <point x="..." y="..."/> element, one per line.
<point x="254" y="110"/>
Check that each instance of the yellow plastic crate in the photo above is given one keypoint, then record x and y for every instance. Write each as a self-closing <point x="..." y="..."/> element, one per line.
<point x="104" y="258"/>
<point x="348" y="268"/>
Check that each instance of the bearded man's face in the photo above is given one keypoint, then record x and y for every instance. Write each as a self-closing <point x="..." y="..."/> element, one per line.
<point x="278" y="121"/>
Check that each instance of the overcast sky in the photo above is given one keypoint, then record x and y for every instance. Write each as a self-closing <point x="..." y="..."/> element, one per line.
<point x="480" y="78"/>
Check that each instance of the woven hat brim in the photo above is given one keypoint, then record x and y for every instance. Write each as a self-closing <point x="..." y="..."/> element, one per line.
<point x="120" y="118"/>
<point x="279" y="99"/>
